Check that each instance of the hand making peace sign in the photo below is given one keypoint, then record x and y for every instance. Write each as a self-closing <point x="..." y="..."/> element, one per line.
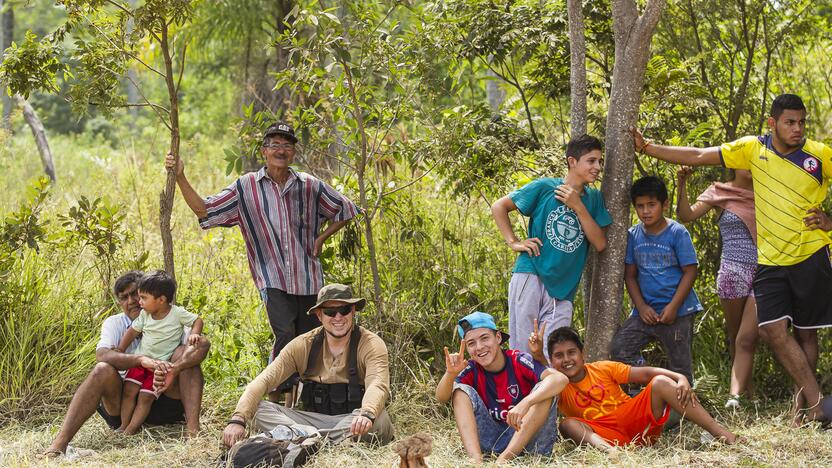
<point x="536" y="339"/>
<point x="455" y="363"/>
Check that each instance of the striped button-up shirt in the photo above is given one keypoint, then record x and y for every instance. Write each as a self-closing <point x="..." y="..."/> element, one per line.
<point x="279" y="226"/>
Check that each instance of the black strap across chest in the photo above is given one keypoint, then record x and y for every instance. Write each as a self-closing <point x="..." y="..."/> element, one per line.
<point x="352" y="358"/>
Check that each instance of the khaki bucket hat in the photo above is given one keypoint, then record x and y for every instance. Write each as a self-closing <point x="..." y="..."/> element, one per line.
<point x="338" y="292"/>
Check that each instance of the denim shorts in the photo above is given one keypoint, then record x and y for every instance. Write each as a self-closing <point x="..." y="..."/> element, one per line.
<point x="495" y="435"/>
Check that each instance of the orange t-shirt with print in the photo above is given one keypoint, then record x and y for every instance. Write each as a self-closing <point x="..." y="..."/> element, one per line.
<point x="598" y="401"/>
<point x="598" y="394"/>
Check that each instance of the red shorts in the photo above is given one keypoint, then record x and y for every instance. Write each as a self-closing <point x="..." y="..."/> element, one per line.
<point x="143" y="378"/>
<point x="632" y="423"/>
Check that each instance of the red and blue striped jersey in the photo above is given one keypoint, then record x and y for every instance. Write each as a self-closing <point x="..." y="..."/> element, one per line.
<point x="501" y="391"/>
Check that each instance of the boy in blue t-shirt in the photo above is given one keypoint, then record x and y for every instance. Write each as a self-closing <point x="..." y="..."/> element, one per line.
<point x="659" y="273"/>
<point x="565" y="216"/>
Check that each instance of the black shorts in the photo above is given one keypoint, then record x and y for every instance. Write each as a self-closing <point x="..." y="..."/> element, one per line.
<point x="165" y="410"/>
<point x="801" y="293"/>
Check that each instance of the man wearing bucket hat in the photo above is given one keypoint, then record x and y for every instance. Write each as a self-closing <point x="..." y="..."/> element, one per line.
<point x="345" y="373"/>
<point x="503" y="400"/>
<point x="279" y="211"/>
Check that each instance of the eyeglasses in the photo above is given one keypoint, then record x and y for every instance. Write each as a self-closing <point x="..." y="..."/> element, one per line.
<point x="333" y="311"/>
<point x="127" y="295"/>
<point x="276" y="146"/>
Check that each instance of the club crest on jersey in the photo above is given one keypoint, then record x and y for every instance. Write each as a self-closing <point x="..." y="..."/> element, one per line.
<point x="564" y="230"/>
<point x="811" y="164"/>
<point x="514" y="390"/>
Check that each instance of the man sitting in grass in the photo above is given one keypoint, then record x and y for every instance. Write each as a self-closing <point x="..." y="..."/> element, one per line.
<point x="345" y="374"/>
<point x="597" y="410"/>
<point x="502" y="399"/>
<point x="179" y="381"/>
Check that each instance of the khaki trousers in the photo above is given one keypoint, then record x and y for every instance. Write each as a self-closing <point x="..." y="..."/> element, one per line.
<point x="271" y="414"/>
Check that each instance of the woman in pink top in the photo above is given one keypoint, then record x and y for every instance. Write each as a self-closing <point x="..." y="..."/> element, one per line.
<point x="734" y="202"/>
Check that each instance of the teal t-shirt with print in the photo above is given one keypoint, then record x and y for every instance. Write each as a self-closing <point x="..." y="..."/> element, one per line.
<point x="563" y="254"/>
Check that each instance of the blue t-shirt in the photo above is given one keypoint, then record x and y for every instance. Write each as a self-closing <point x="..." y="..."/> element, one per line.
<point x="659" y="259"/>
<point x="563" y="254"/>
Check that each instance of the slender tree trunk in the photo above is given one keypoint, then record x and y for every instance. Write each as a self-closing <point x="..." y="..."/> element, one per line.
<point x="632" y="47"/>
<point x="7" y="25"/>
<point x="577" y="109"/>
<point x="166" y="197"/>
<point x="132" y="78"/>
<point x="577" y="68"/>
<point x="40" y="137"/>
<point x="361" y="171"/>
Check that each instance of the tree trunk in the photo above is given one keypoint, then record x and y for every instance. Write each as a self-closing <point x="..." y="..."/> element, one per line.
<point x="577" y="109"/>
<point x="132" y="79"/>
<point x="7" y="25"/>
<point x="40" y="137"/>
<point x="166" y="197"/>
<point x="577" y="68"/>
<point x="632" y="35"/>
<point x="361" y="171"/>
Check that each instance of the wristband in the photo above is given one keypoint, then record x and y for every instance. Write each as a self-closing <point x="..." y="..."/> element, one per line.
<point x="645" y="145"/>
<point x="368" y="415"/>
<point x="237" y="422"/>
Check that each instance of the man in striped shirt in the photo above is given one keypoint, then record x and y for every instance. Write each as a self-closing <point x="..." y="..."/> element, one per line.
<point x="791" y="179"/>
<point x="280" y="212"/>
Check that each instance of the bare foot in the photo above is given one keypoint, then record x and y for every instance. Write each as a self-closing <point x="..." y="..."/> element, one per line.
<point x="51" y="452"/>
<point x="192" y="432"/>
<point x="733" y="440"/>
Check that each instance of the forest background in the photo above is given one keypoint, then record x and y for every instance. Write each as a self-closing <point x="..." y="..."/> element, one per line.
<point x="423" y="113"/>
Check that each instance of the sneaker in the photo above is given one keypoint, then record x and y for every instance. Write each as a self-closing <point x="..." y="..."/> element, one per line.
<point x="733" y="403"/>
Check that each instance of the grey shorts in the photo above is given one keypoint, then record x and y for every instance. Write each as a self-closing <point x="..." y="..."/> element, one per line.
<point x="528" y="300"/>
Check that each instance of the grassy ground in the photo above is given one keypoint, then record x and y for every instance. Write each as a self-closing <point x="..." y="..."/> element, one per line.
<point x="769" y="442"/>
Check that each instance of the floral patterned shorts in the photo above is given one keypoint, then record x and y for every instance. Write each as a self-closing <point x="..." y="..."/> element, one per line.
<point x="734" y="280"/>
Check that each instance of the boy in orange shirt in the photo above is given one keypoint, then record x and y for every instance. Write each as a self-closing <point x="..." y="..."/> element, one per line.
<point x="599" y="413"/>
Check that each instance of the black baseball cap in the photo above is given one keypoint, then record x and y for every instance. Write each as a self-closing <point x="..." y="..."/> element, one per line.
<point x="281" y="129"/>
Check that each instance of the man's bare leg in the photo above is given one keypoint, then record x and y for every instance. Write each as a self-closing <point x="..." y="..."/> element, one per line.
<point x="466" y="423"/>
<point x="794" y="359"/>
<point x="807" y="339"/>
<point x="532" y="423"/>
<point x="664" y="394"/>
<point x="103" y="384"/>
<point x="582" y="434"/>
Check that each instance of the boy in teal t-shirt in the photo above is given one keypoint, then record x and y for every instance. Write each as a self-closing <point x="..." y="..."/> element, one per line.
<point x="565" y="216"/>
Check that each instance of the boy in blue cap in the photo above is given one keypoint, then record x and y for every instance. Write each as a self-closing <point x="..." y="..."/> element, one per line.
<point x="503" y="400"/>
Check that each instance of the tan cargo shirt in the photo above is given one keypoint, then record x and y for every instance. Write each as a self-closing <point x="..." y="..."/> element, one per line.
<point x="373" y="368"/>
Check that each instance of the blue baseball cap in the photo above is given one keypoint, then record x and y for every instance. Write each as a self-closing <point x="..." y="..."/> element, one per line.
<point x="478" y="320"/>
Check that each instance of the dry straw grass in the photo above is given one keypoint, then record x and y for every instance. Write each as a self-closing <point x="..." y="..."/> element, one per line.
<point x="769" y="442"/>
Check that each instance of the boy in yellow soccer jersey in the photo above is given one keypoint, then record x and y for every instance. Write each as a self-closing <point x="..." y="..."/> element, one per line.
<point x="791" y="179"/>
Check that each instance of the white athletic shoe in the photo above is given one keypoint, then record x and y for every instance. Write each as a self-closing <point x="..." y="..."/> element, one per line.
<point x="733" y="402"/>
